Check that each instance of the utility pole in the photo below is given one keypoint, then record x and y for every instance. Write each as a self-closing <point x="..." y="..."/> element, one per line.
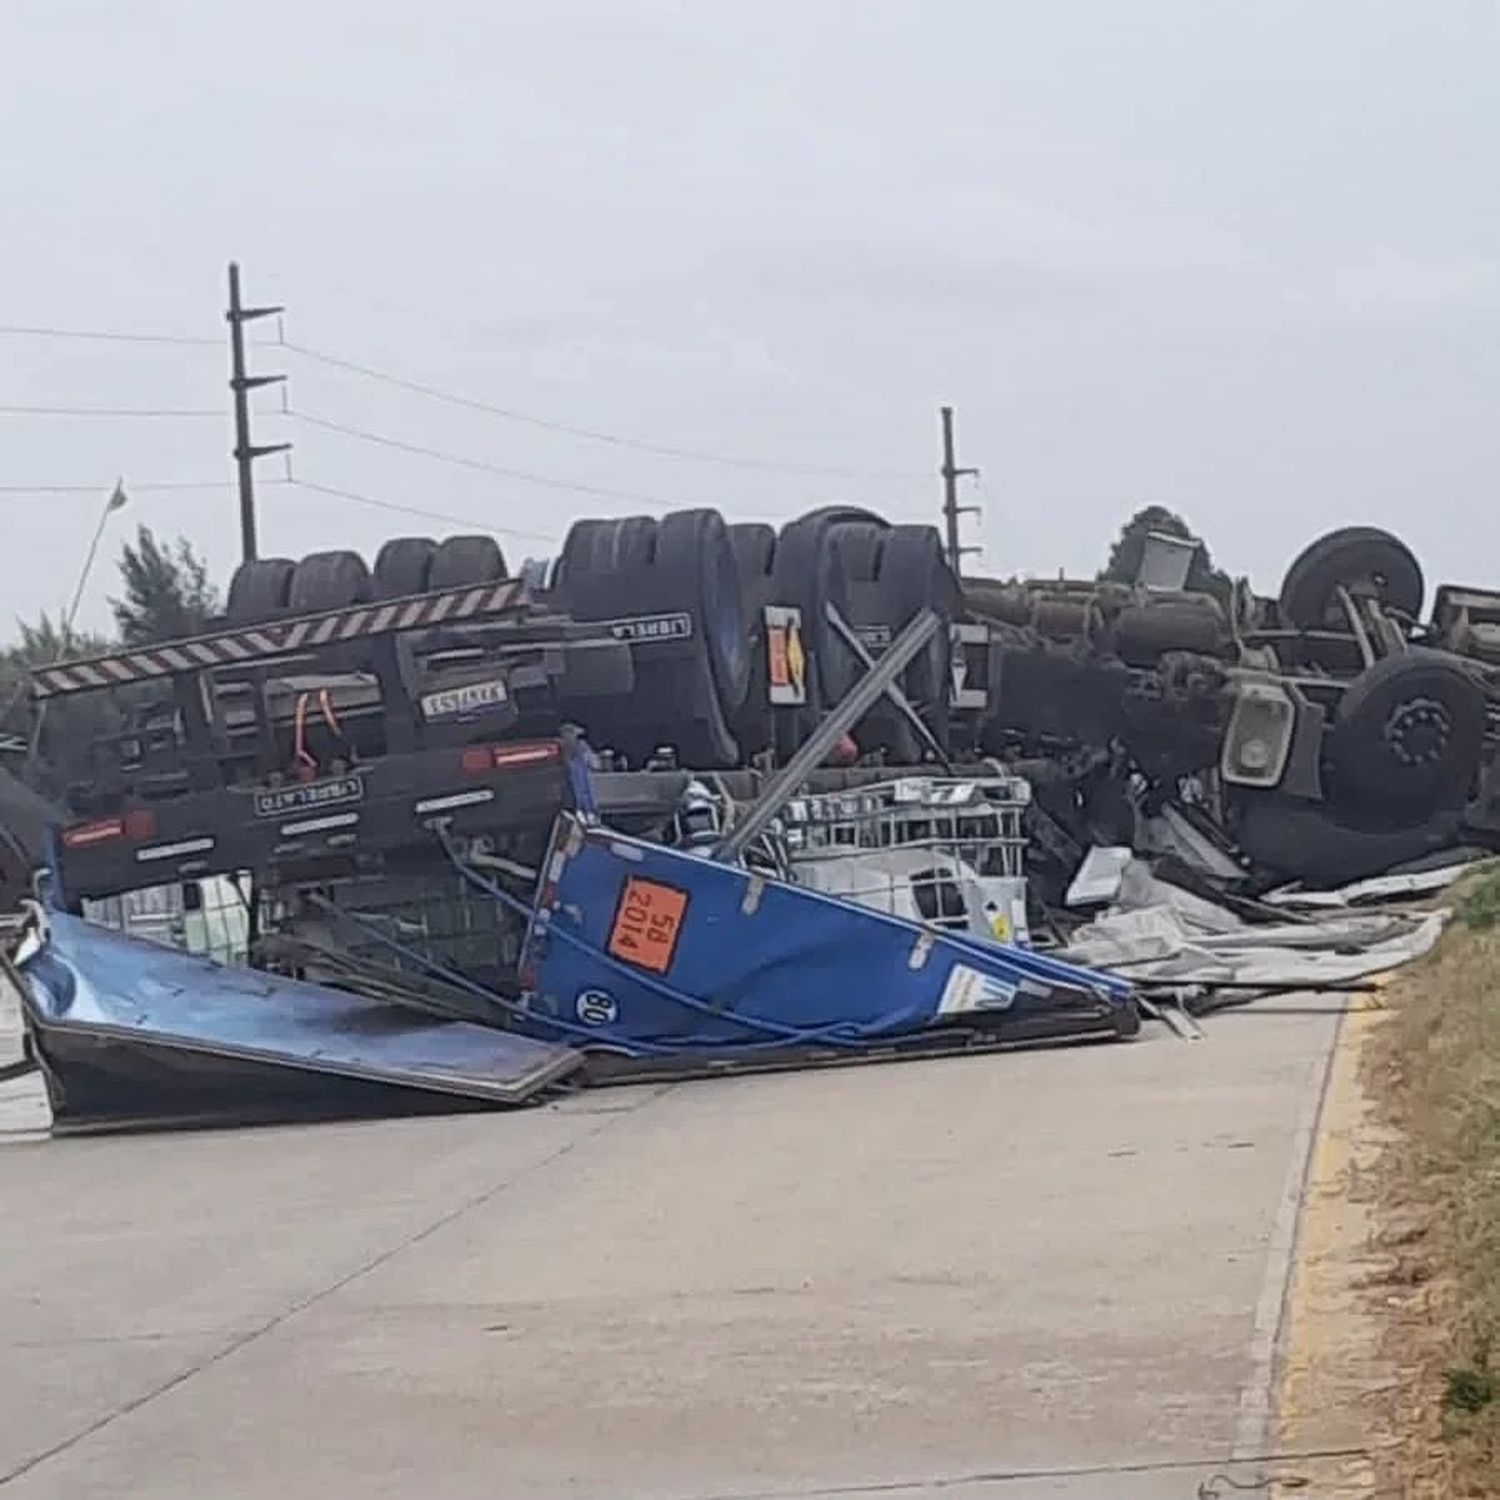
<point x="952" y="510"/>
<point x="246" y="452"/>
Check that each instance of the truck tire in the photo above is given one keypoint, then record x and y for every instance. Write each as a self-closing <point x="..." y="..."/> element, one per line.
<point x="584" y="550"/>
<point x="259" y="590"/>
<point x="844" y="515"/>
<point x="694" y="558"/>
<point x="686" y="684"/>
<point x="402" y="566"/>
<point x="893" y="572"/>
<point x="873" y="607"/>
<point x="1362" y="559"/>
<point x="633" y="542"/>
<point x="460" y="561"/>
<point x="861" y="543"/>
<point x="915" y="571"/>
<point x="598" y="548"/>
<point x="1407" y="737"/>
<point x="754" y="545"/>
<point x="329" y="580"/>
<point x="875" y="603"/>
<point x="810" y="574"/>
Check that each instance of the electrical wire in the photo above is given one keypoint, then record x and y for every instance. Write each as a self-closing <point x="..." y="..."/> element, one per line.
<point x="437" y="393"/>
<point x="105" y="411"/>
<point x="417" y="510"/>
<point x="590" y="434"/>
<point x="107" y="335"/>
<point x="130" y="489"/>
<point x="442" y="456"/>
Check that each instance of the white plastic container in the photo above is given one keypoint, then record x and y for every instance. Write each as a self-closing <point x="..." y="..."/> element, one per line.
<point x="1166" y="561"/>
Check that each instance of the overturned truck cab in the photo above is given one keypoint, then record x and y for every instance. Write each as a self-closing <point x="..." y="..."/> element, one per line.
<point x="1328" y="733"/>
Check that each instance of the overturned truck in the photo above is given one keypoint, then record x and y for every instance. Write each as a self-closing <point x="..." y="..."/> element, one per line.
<point x="1321" y="735"/>
<point x="544" y="803"/>
<point x="399" y="793"/>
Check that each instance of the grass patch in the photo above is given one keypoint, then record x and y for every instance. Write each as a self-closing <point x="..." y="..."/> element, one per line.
<point x="1441" y="1083"/>
<point x="1478" y="906"/>
<point x="1468" y="1391"/>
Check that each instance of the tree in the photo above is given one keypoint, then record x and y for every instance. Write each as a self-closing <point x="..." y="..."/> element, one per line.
<point x="167" y="592"/>
<point x="1125" y="556"/>
<point x="74" y="722"/>
<point x="39" y="644"/>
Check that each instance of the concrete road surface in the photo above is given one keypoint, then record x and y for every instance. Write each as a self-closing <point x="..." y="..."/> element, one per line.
<point x="1047" y="1273"/>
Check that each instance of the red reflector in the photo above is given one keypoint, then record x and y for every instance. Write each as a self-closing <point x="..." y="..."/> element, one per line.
<point x="85" y="834"/>
<point x="478" y="759"/>
<point x="140" y="824"/>
<point x="526" y="755"/>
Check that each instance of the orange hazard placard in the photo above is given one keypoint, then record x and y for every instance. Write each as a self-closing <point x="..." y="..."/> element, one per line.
<point x="786" y="656"/>
<point x="776" y="645"/>
<point x="648" y="922"/>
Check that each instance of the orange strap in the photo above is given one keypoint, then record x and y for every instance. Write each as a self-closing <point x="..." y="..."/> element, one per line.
<point x="306" y="760"/>
<point x="331" y="719"/>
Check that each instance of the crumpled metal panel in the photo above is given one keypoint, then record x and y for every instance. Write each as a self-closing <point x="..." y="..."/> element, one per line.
<point x="651" y="950"/>
<point x="129" y="1032"/>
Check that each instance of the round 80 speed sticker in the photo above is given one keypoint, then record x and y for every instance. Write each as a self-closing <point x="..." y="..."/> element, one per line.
<point x="597" y="1008"/>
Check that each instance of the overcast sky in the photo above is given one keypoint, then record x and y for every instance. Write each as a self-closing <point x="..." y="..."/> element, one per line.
<point x="1237" y="258"/>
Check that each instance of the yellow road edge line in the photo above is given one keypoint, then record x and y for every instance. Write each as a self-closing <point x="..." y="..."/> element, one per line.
<point x="1318" y="1227"/>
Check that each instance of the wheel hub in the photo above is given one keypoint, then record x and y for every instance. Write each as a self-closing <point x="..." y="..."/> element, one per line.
<point x="1418" y="731"/>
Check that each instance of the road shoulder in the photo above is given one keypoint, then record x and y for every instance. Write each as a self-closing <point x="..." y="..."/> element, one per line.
<point x="1365" y="1307"/>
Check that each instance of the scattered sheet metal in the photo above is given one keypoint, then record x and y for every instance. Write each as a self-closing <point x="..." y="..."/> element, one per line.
<point x="128" y="1032"/>
<point x="1141" y="890"/>
<point x="1161" y="936"/>
<point x="1171" y="1008"/>
<point x="1379" y="888"/>
<point x="1173" y="832"/>
<point x="1097" y="882"/>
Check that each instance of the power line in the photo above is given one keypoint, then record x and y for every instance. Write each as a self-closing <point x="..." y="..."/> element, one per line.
<point x="133" y="488"/>
<point x="105" y="335"/>
<point x="463" y="461"/>
<point x="452" y="398"/>
<point x="436" y="393"/>
<point x="466" y="461"/>
<point x="104" y="411"/>
<point x="640" y="445"/>
<point x="416" y="510"/>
